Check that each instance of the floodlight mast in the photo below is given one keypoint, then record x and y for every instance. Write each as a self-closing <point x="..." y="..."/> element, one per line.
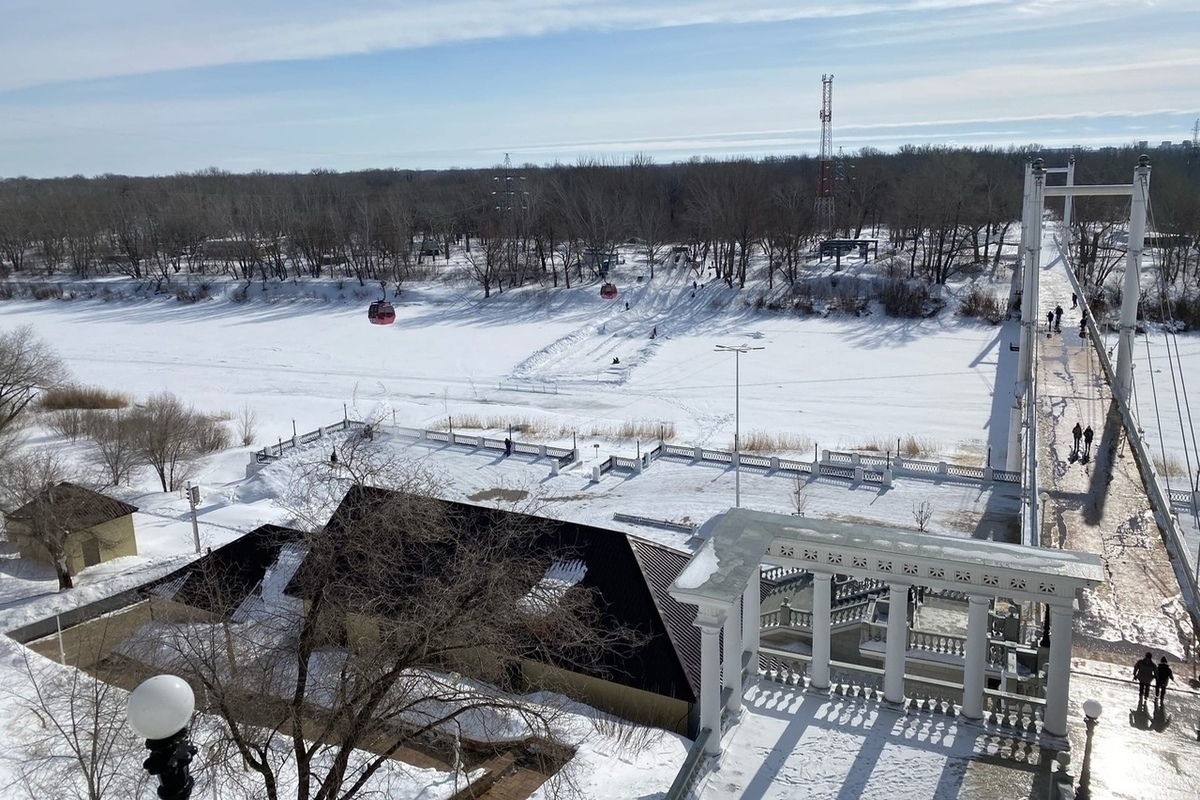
<point x="737" y="351"/>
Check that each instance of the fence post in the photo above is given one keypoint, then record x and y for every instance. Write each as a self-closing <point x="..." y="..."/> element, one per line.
<point x="887" y="478"/>
<point x="554" y="466"/>
<point x="295" y="440"/>
<point x="699" y="454"/>
<point x="541" y="451"/>
<point x="942" y="470"/>
<point x="774" y="463"/>
<point x="898" y="462"/>
<point x="858" y="474"/>
<point x="478" y="442"/>
<point x="785" y="614"/>
<point x="596" y="473"/>
<point x="638" y="466"/>
<point x="987" y="473"/>
<point x="735" y="460"/>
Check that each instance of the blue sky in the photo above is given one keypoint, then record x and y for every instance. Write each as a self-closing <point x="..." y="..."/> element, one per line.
<point x="149" y="87"/>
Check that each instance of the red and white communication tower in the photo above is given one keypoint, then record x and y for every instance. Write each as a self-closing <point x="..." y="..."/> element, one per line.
<point x="824" y="203"/>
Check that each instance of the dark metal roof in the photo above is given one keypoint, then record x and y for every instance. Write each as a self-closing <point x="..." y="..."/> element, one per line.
<point x="74" y="507"/>
<point x="614" y="574"/>
<point x="219" y="581"/>
<point x="661" y="566"/>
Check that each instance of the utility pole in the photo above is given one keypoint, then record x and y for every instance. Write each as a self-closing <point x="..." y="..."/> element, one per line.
<point x="193" y="493"/>
<point x="824" y="205"/>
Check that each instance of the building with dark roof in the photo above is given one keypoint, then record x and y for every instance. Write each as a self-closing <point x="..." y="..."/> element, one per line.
<point x="97" y="528"/>
<point x="627" y="579"/>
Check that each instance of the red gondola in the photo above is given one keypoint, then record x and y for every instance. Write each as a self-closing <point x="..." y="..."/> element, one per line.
<point x="381" y="313"/>
<point x="608" y="291"/>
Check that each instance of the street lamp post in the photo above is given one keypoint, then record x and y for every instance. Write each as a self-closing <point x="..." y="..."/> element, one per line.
<point x="1091" y="715"/>
<point x="160" y="709"/>
<point x="737" y="394"/>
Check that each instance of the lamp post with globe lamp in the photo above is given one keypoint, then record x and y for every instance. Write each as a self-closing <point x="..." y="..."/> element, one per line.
<point x="1091" y="715"/>
<point x="160" y="709"/>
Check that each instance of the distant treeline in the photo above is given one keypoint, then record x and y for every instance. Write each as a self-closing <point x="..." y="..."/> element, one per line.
<point x="939" y="211"/>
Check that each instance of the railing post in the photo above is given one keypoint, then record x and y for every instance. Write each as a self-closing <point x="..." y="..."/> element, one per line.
<point x="774" y="463"/>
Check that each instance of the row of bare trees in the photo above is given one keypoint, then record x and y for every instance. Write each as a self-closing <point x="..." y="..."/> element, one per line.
<point x="944" y="209"/>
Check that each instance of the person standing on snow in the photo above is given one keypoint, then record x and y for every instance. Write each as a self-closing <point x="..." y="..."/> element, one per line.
<point x="1076" y="432"/>
<point x="1087" y="441"/>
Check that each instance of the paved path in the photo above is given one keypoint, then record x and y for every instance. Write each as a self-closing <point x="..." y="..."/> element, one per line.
<point x="1098" y="504"/>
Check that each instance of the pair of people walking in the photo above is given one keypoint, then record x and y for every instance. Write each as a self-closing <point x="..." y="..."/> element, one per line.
<point x="1146" y="673"/>
<point x="1083" y="433"/>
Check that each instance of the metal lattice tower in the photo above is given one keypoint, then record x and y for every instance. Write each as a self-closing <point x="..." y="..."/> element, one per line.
<point x="824" y="205"/>
<point x="507" y="196"/>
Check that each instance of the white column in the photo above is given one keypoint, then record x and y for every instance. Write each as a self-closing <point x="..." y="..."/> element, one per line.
<point x="1058" y="671"/>
<point x="1069" y="203"/>
<point x="977" y="647"/>
<point x="897" y="643"/>
<point x="710" y="679"/>
<point x="751" y="622"/>
<point x="732" y="668"/>
<point x="1131" y="293"/>
<point x="1030" y="247"/>
<point x="822" y="598"/>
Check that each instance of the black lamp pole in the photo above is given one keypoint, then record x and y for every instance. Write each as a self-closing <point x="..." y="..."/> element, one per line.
<point x="169" y="760"/>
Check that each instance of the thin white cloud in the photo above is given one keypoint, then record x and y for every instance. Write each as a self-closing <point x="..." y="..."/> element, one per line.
<point x="43" y="42"/>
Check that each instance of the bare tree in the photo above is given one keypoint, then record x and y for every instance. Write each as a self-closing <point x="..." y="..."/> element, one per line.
<point x="112" y="437"/>
<point x="41" y="501"/>
<point x="401" y="638"/>
<point x="247" y="421"/>
<point x="27" y="366"/>
<point x="800" y="496"/>
<point x="78" y="743"/>
<point x="922" y="513"/>
<point x="171" y="436"/>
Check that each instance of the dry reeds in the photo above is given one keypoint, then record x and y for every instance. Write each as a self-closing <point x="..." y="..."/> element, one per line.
<point x="73" y="396"/>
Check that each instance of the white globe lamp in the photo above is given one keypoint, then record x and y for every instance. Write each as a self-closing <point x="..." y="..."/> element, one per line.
<point x="161" y="707"/>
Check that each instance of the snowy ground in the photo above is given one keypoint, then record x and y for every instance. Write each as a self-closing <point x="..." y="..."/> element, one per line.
<point x="828" y="383"/>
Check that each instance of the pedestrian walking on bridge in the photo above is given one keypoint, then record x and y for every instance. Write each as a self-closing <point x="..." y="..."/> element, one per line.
<point x="1145" y="673"/>
<point x="1162" y="677"/>
<point x="1087" y="441"/>
<point x="1076" y="432"/>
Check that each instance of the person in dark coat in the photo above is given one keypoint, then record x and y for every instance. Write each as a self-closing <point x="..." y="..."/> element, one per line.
<point x="1145" y="673"/>
<point x="1076" y="432"/>
<point x="1058" y="318"/>
<point x="333" y="456"/>
<point x="1162" y="677"/>
<point x="1074" y="300"/>
<point x="507" y="446"/>
<point x="1049" y="322"/>
<point x="654" y="332"/>
<point x="1087" y="441"/>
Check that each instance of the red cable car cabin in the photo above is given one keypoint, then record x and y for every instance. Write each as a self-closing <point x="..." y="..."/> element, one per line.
<point x="608" y="291"/>
<point x="381" y="313"/>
